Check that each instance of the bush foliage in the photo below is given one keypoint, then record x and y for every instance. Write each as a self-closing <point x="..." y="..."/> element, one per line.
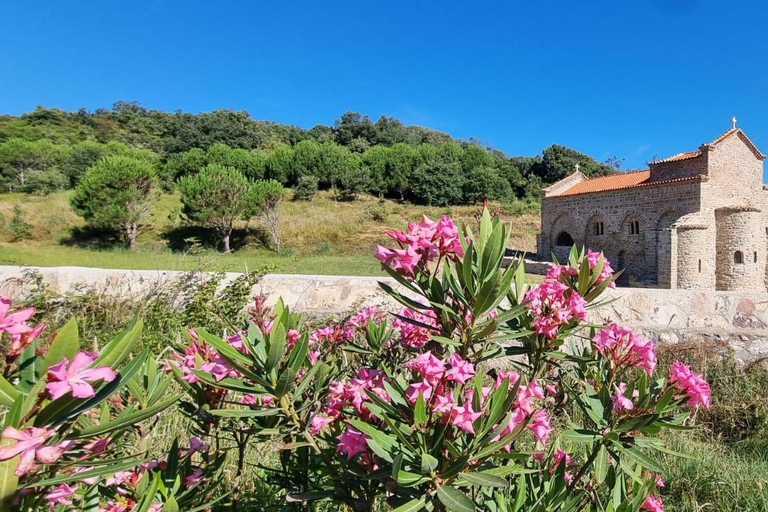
<point x="482" y="393"/>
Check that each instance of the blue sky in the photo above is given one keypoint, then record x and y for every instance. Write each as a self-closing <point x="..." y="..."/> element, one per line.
<point x="630" y="79"/>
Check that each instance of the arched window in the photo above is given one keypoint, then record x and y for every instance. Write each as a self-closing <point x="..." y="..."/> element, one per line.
<point x="598" y="228"/>
<point x="634" y="227"/>
<point x="699" y="266"/>
<point x="564" y="240"/>
<point x="738" y="257"/>
<point x="755" y="256"/>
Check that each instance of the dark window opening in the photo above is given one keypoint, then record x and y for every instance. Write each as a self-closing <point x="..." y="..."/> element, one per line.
<point x="564" y="240"/>
<point x="597" y="228"/>
<point x="634" y="227"/>
<point x="699" y="266"/>
<point x="755" y="256"/>
<point x="738" y="257"/>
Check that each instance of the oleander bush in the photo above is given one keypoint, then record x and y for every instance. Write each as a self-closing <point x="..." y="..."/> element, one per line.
<point x="481" y="393"/>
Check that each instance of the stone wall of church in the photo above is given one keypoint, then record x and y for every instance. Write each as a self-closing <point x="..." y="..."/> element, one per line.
<point x="654" y="208"/>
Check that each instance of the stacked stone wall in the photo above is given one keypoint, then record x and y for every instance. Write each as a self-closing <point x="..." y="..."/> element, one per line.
<point x="702" y="318"/>
<point x="679" y="169"/>
<point x="740" y="250"/>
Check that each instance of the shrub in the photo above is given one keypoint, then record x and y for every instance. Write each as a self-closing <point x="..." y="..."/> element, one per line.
<point x="484" y="183"/>
<point x="46" y="182"/>
<point x="305" y="188"/>
<point x="376" y="211"/>
<point x="117" y="192"/>
<point x="19" y="229"/>
<point x="217" y="197"/>
<point x="268" y="195"/>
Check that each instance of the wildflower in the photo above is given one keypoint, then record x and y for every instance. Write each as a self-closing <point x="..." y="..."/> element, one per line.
<point x="623" y="347"/>
<point x="197" y="445"/>
<point x="76" y="376"/>
<point x="428" y="366"/>
<point x="652" y="504"/>
<point x="319" y="422"/>
<point x="690" y="384"/>
<point x="461" y="371"/>
<point x="620" y="402"/>
<point x="540" y="427"/>
<point x="59" y="495"/>
<point x="351" y="442"/>
<point x="194" y="478"/>
<point x="419" y="388"/>
<point x="31" y="446"/>
<point x="411" y="335"/>
<point x="463" y="417"/>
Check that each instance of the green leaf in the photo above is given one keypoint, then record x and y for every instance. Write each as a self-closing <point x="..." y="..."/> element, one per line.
<point x="117" y="350"/>
<point x="104" y="468"/>
<point x="65" y="344"/>
<point x="428" y="463"/>
<point x="420" y="410"/>
<point x="581" y="436"/>
<point x="125" y="420"/>
<point x="149" y="497"/>
<point x="276" y="346"/>
<point x="483" y="479"/>
<point x="9" y="482"/>
<point x="601" y="465"/>
<point x="640" y="458"/>
<point x="454" y="499"/>
<point x="285" y="383"/>
<point x="244" y="413"/>
<point x="8" y="393"/>
<point x="170" y="505"/>
<point x="415" y="505"/>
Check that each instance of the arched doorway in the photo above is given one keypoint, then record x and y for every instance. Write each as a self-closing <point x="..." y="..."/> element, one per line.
<point x="564" y="239"/>
<point x="622" y="265"/>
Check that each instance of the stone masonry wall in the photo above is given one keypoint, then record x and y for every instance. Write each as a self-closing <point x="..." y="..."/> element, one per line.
<point x="656" y="207"/>
<point x="708" y="319"/>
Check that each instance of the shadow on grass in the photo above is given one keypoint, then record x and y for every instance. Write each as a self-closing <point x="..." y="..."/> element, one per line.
<point x="89" y="237"/>
<point x="185" y="238"/>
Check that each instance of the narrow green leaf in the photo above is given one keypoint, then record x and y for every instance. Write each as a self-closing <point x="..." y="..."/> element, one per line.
<point x="8" y="393"/>
<point x="454" y="499"/>
<point x="415" y="505"/>
<point x="65" y="344"/>
<point x="126" y="420"/>
<point x="9" y="482"/>
<point x="117" y="350"/>
<point x="483" y="479"/>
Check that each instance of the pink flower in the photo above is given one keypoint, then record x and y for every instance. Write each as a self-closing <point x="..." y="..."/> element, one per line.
<point x="540" y="427"/>
<point x="653" y="504"/>
<point x="119" y="478"/>
<point x="444" y="404"/>
<point x="15" y="324"/>
<point x="412" y="335"/>
<point x="461" y="371"/>
<point x="197" y="445"/>
<point x="352" y="442"/>
<point x="195" y="477"/>
<point x="690" y="384"/>
<point x="87" y="481"/>
<point x="414" y="390"/>
<point x="59" y="495"/>
<point x="31" y="445"/>
<point x="76" y="377"/>
<point x="463" y="417"/>
<point x="428" y="366"/>
<point x="620" y="402"/>
<point x="97" y="446"/>
<point x="623" y="347"/>
<point x="319" y="422"/>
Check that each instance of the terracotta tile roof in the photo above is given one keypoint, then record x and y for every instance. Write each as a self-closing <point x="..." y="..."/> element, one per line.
<point x="676" y="158"/>
<point x="618" y="182"/>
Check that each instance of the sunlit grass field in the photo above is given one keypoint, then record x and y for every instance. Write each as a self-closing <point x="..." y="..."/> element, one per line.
<point x="323" y="236"/>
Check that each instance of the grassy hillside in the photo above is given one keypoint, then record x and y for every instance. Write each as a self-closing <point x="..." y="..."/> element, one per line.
<point x="323" y="236"/>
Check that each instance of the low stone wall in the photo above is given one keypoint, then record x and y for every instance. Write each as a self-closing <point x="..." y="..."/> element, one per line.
<point x="712" y="319"/>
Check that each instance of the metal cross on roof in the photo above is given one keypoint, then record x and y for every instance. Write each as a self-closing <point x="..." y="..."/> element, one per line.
<point x="733" y="123"/>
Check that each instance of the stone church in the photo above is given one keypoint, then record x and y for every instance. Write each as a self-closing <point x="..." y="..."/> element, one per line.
<point x="694" y="220"/>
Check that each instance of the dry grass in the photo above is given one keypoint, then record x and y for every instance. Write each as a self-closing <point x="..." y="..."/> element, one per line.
<point x="322" y="236"/>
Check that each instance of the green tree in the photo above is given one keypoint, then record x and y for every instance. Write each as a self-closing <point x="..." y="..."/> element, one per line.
<point x="305" y="189"/>
<point x="279" y="164"/>
<point x="217" y="197"/>
<point x="306" y="160"/>
<point x="184" y="164"/>
<point x="117" y="192"/>
<point x="560" y="161"/>
<point x="481" y="183"/>
<point x="19" y="159"/>
<point x="402" y="163"/>
<point x="335" y="161"/>
<point x="376" y="162"/>
<point x="474" y="157"/>
<point x="438" y="184"/>
<point x="249" y="162"/>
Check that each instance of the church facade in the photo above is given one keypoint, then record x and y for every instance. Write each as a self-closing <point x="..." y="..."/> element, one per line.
<point x="696" y="220"/>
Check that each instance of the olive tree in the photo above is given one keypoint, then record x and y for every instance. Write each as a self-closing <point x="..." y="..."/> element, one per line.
<point x="217" y="197"/>
<point x="116" y="192"/>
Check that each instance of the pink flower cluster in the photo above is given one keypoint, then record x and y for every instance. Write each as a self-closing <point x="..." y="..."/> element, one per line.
<point x="690" y="384"/>
<point x="423" y="242"/>
<point x="200" y="356"/>
<point x="652" y="504"/>
<point x="14" y="322"/>
<point x="593" y="258"/>
<point x="620" y="401"/>
<point x="553" y="304"/>
<point x="621" y="346"/>
<point x="31" y="446"/>
<point x="411" y="335"/>
<point x="350" y="393"/>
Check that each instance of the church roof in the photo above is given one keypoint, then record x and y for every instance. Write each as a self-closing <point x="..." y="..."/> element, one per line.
<point x="620" y="181"/>
<point x="678" y="157"/>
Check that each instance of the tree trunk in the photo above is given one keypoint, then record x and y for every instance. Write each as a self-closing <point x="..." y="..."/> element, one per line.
<point x="130" y="235"/>
<point x="225" y="240"/>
